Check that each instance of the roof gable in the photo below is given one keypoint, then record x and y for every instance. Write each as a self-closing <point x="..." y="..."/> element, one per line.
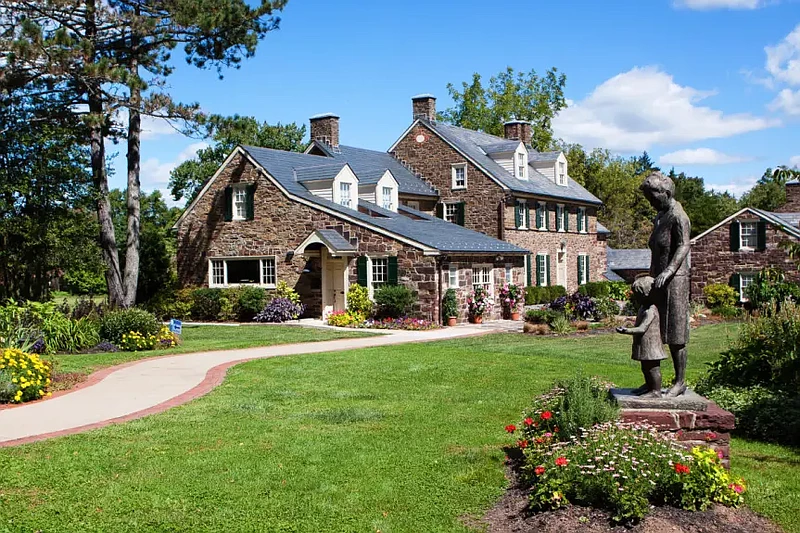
<point x="782" y="221"/>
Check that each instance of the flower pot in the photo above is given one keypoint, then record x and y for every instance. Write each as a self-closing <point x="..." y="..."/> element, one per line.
<point x="451" y="321"/>
<point x="477" y="320"/>
<point x="515" y="315"/>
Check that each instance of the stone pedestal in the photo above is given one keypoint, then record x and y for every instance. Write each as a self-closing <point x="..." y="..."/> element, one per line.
<point x="693" y="420"/>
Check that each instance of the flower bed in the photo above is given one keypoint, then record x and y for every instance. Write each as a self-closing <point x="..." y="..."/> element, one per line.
<point x="346" y="319"/>
<point x="23" y="376"/>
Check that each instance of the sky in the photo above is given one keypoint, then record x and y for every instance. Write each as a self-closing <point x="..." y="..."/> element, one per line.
<point x="711" y="87"/>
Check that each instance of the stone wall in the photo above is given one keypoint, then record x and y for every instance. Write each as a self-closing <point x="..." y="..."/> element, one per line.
<point x="792" y="204"/>
<point x="713" y="262"/>
<point x="464" y="289"/>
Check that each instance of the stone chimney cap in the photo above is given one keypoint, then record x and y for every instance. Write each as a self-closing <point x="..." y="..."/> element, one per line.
<point x="423" y="96"/>
<point x="324" y="115"/>
<point x="516" y="121"/>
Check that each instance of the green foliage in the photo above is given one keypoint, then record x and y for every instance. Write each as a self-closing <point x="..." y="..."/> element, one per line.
<point x="46" y="328"/>
<point x="596" y="289"/>
<point x="358" y="301"/>
<point x="394" y="301"/>
<point x="769" y="193"/>
<point x="249" y="302"/>
<point x="449" y="304"/>
<point x="708" y="482"/>
<point x="170" y="303"/>
<point x="605" y="307"/>
<point x="345" y="319"/>
<point x="542" y="316"/>
<point x="729" y="311"/>
<point x="720" y="295"/>
<point x="85" y="281"/>
<point x="65" y="335"/>
<point x="770" y="289"/>
<point x="543" y="295"/>
<point x="561" y="324"/>
<point x="206" y="304"/>
<point x="124" y="321"/>
<point x="284" y="291"/>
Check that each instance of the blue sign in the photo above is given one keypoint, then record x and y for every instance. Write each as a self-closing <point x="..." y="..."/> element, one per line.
<point x="175" y="326"/>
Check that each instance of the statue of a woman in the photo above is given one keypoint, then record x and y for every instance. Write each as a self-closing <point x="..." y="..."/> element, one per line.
<point x="670" y="266"/>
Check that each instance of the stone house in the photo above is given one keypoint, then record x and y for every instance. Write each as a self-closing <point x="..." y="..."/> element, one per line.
<point x="502" y="187"/>
<point x="329" y="218"/>
<point x="743" y="244"/>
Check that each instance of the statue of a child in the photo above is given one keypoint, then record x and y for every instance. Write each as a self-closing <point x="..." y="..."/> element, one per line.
<point x="647" y="345"/>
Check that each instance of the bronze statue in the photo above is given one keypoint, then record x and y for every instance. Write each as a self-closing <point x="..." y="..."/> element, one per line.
<point x="670" y="267"/>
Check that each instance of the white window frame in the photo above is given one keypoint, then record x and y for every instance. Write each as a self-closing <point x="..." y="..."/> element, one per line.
<point x="386" y="198"/>
<point x="751" y="279"/>
<point x="542" y="282"/>
<point x="484" y="269"/>
<point x="584" y="218"/>
<point x="562" y="173"/>
<point x="263" y="269"/>
<point x="545" y="214"/>
<point x="560" y="217"/>
<point x="524" y="220"/>
<point x="509" y="273"/>
<point x="346" y="200"/>
<point x="371" y="281"/>
<point x="452" y="276"/>
<point x="239" y="207"/>
<point x="453" y="170"/>
<point x="751" y="235"/>
<point x="521" y="163"/>
<point x="583" y="258"/>
<point x="451" y="217"/>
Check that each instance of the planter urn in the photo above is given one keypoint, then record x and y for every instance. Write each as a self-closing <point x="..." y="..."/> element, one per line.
<point x="477" y="320"/>
<point x="451" y="321"/>
<point x="515" y="315"/>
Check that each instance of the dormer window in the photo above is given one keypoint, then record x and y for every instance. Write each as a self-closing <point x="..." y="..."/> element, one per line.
<point x="459" y="172"/>
<point x="521" y="164"/>
<point x="562" y="173"/>
<point x="386" y="198"/>
<point x="345" y="199"/>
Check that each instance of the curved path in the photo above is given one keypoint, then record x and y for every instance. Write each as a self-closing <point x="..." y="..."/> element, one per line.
<point x="137" y="389"/>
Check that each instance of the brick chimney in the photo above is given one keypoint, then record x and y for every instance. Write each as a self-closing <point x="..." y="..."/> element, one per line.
<point x="518" y="130"/>
<point x="424" y="106"/>
<point x="792" y="204"/>
<point x="325" y="128"/>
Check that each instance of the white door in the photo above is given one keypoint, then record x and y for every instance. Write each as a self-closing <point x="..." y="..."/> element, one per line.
<point x="334" y="285"/>
<point x="562" y="268"/>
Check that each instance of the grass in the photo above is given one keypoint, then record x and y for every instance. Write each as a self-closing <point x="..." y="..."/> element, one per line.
<point x="396" y="439"/>
<point x="205" y="338"/>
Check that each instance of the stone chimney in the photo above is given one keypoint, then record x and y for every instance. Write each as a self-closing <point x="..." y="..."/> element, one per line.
<point x="424" y="106"/>
<point x="518" y="130"/>
<point x="792" y="204"/>
<point x="325" y="128"/>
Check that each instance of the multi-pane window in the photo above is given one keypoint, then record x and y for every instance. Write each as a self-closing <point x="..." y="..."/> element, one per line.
<point x="749" y="235"/>
<point x="745" y="280"/>
<point x="562" y="173"/>
<point x="240" y="202"/>
<point x="459" y="176"/>
<point x="344" y="195"/>
<point x="521" y="166"/>
<point x="482" y="277"/>
<point x="542" y="266"/>
<point x="522" y="214"/>
<point x="451" y="213"/>
<point x="541" y="215"/>
<point x="583" y="269"/>
<point x="509" y="274"/>
<point x="268" y="275"/>
<point x="217" y="272"/>
<point x="387" y="198"/>
<point x="243" y="271"/>
<point x="380" y="272"/>
<point x="583" y="220"/>
<point x="452" y="277"/>
<point x="560" y="224"/>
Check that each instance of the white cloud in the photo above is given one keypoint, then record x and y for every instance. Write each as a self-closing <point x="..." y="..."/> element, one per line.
<point x="642" y="107"/>
<point x="154" y="173"/>
<point x="700" y="156"/>
<point x="787" y="101"/>
<point x="702" y="5"/>
<point x="794" y="161"/>
<point x="737" y="186"/>
<point x="152" y="127"/>
<point x="783" y="59"/>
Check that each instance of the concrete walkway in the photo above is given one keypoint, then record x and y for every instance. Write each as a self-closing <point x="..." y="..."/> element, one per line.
<point x="153" y="385"/>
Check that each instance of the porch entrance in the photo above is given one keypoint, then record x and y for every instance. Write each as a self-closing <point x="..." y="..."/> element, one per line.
<point x="334" y="283"/>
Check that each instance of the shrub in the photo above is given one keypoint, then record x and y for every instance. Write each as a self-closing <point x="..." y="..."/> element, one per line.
<point x="345" y="319"/>
<point x="618" y="290"/>
<point x="170" y="303"/>
<point x="280" y="310"/>
<point x="86" y="307"/>
<point x="728" y="311"/>
<point x="358" y="301"/>
<point x="595" y="289"/>
<point x="543" y="295"/>
<point x="394" y="301"/>
<point x="23" y="376"/>
<point x="449" y="304"/>
<point x="720" y="295"/>
<point x="605" y="308"/>
<point x="510" y="297"/>
<point x="206" y="304"/>
<point x="478" y="303"/>
<point x="249" y="301"/>
<point x="561" y="324"/>
<point x="66" y="335"/>
<point x="770" y="289"/>
<point x="577" y="306"/>
<point x="284" y="291"/>
<point x="85" y="281"/>
<point x="118" y="323"/>
<point x="541" y="316"/>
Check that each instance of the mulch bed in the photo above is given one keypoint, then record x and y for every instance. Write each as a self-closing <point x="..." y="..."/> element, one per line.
<point x="511" y="515"/>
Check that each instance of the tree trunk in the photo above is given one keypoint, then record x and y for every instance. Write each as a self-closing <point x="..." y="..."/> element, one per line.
<point x="134" y="157"/>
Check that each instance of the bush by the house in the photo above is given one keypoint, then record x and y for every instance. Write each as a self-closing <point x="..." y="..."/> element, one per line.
<point x="358" y="301"/>
<point x="206" y="304"/>
<point x="345" y="319"/>
<point x="543" y="295"/>
<point x="171" y="303"/>
<point x="394" y="301"/>
<point x="616" y="290"/>
<point x="449" y="304"/>
<point x="283" y="290"/>
<point x="510" y="298"/>
<point x="249" y="301"/>
<point x="23" y="376"/>
<point x="577" y="306"/>
<point x="478" y="303"/>
<point x="542" y="316"/>
<point x="770" y="289"/>
<point x="406" y="323"/>
<point x="720" y="295"/>
<point x="605" y="307"/>
<point x="280" y="310"/>
<point x="124" y="321"/>
<point x="85" y="281"/>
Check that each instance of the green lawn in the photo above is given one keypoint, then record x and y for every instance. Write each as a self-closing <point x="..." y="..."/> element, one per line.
<point x="204" y="338"/>
<point x="396" y="439"/>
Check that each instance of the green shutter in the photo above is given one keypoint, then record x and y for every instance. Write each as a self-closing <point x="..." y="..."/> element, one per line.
<point x="580" y="269"/>
<point x="518" y="215"/>
<point x="460" y="209"/>
<point x="361" y="269"/>
<point x="734" y="281"/>
<point x="392" y="270"/>
<point x="588" y="270"/>
<point x="228" y="203"/>
<point x="547" y="270"/>
<point x="250" y="203"/>
<point x="586" y="220"/>
<point x="735" y="242"/>
<point x="546" y="217"/>
<point x="529" y="270"/>
<point x="440" y="211"/>
<point x="580" y="221"/>
<point x="762" y="235"/>
<point x="566" y="218"/>
<point x="527" y="215"/>
<point x="539" y="267"/>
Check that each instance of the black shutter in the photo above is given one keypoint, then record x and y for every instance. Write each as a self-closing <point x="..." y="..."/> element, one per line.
<point x="547" y="264"/>
<point x="762" y="235"/>
<point x="527" y="215"/>
<point x="734" y="282"/>
<point x="460" y="214"/>
<point x="392" y="270"/>
<point x="440" y="211"/>
<point x="546" y="218"/>
<point x="518" y="214"/>
<point x="529" y="271"/>
<point x="566" y="218"/>
<point x="250" y="204"/>
<point x="539" y="272"/>
<point x="361" y="269"/>
<point x="588" y="270"/>
<point x="580" y="270"/>
<point x="734" y="227"/>
<point x="228" y="203"/>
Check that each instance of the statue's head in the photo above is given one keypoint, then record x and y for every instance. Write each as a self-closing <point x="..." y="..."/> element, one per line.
<point x="658" y="189"/>
<point x="642" y="287"/>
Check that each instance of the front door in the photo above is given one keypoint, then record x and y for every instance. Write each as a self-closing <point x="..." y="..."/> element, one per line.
<point x="333" y="285"/>
<point x="562" y="268"/>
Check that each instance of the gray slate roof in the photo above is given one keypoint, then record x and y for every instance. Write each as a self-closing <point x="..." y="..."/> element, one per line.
<point x="424" y="229"/>
<point x="635" y="259"/>
<point x="500" y="147"/>
<point x="317" y="172"/>
<point x="469" y="142"/>
<point x="336" y="240"/>
<point x="613" y="276"/>
<point x="602" y="229"/>
<point x="361" y="160"/>
<point x="789" y="221"/>
<point x="543" y="156"/>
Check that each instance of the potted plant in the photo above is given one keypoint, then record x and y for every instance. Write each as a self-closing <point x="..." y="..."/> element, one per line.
<point x="478" y="303"/>
<point x="510" y="296"/>
<point x="450" y="307"/>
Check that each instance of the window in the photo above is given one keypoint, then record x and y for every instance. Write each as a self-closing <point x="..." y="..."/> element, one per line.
<point x="562" y="173"/>
<point x="459" y="176"/>
<point x="541" y="216"/>
<point x="560" y="216"/>
<point x="509" y="274"/>
<point x="583" y="220"/>
<point x="482" y="276"/>
<point x="387" y="199"/>
<point x="344" y="195"/>
<point x="240" y="202"/>
<point x="380" y="272"/>
<point x="542" y="270"/>
<point x="412" y="204"/>
<point x="452" y="277"/>
<point x="748" y="234"/>
<point x="451" y="213"/>
<point x="745" y="280"/>
<point x="521" y="166"/>
<point x="243" y="271"/>
<point x="583" y="269"/>
<point x="521" y="214"/>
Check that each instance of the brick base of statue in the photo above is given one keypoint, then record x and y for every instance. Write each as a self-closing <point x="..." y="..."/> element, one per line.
<point x="693" y="420"/>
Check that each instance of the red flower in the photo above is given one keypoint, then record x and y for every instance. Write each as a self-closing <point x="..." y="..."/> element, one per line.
<point x="562" y="461"/>
<point x="681" y="469"/>
<point x="539" y="440"/>
<point x="511" y="428"/>
<point x="539" y="470"/>
<point x="547" y="415"/>
<point x="528" y="421"/>
<point x="555" y="429"/>
<point x="522" y="444"/>
<point x="738" y="489"/>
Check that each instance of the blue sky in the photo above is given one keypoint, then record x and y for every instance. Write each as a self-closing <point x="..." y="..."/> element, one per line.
<point x="711" y="87"/>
